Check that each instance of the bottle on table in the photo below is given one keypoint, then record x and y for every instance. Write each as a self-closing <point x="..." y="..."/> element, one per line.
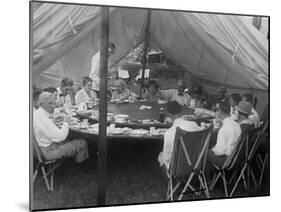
<point x="161" y="115"/>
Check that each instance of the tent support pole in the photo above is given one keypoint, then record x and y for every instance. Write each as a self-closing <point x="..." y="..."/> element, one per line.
<point x="146" y="43"/>
<point x="102" y="141"/>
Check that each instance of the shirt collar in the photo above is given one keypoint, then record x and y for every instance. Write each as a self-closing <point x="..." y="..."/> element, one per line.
<point x="43" y="112"/>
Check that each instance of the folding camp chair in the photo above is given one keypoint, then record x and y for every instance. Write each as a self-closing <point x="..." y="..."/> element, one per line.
<point x="231" y="164"/>
<point x="262" y="157"/>
<point x="47" y="166"/>
<point x="188" y="161"/>
<point x="254" y="143"/>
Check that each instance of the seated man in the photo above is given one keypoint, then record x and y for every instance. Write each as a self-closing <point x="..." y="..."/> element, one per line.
<point x="179" y="95"/>
<point x="234" y="100"/>
<point x="36" y="93"/>
<point x="152" y="93"/>
<point x="254" y="117"/>
<point x="227" y="137"/>
<point x="50" y="138"/>
<point x="198" y="97"/>
<point x="219" y="97"/>
<point x="86" y="94"/>
<point x="122" y="92"/>
<point x="244" y="110"/>
<point x="174" y="110"/>
<point x="66" y="92"/>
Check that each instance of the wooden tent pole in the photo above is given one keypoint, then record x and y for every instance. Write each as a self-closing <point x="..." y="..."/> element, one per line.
<point x="102" y="141"/>
<point x="146" y="43"/>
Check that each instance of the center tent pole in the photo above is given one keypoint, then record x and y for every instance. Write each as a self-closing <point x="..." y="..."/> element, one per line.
<point x="145" y="46"/>
<point x="102" y="141"/>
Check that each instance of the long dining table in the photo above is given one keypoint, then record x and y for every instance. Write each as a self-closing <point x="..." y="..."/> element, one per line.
<point x="143" y="119"/>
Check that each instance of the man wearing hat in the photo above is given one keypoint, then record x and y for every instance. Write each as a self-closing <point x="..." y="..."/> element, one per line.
<point x="244" y="111"/>
<point x="52" y="139"/>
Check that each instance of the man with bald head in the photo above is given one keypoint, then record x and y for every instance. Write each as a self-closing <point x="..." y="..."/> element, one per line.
<point x="52" y="139"/>
<point x="179" y="95"/>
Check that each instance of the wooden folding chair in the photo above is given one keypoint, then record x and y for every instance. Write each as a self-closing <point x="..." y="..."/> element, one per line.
<point x="262" y="157"/>
<point x="254" y="143"/>
<point x="47" y="167"/>
<point x="231" y="165"/>
<point x="188" y="161"/>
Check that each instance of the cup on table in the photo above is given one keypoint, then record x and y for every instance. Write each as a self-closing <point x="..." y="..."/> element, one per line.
<point x="112" y="126"/>
<point x="152" y="129"/>
<point x="85" y="122"/>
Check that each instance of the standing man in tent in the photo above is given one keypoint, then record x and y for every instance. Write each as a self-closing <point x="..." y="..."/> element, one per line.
<point x="95" y="67"/>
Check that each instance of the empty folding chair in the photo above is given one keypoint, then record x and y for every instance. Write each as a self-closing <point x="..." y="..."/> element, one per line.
<point x="231" y="165"/>
<point x="254" y="143"/>
<point x="188" y="162"/>
<point x="47" y="167"/>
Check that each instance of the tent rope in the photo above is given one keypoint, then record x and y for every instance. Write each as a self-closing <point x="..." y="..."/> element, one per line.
<point x="235" y="52"/>
<point x="71" y="24"/>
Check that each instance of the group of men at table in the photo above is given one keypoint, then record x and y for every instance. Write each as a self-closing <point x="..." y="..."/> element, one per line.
<point x="234" y="112"/>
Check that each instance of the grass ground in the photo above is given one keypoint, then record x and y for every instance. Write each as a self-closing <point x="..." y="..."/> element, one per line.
<point x="133" y="176"/>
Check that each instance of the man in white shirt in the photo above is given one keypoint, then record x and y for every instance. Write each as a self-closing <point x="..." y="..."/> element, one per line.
<point x="227" y="137"/>
<point x="179" y="95"/>
<point x="254" y="116"/>
<point x="52" y="139"/>
<point x="174" y="110"/>
<point x="86" y="94"/>
<point x="95" y="67"/>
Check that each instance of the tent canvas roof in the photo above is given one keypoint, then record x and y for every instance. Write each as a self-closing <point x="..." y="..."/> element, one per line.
<point x="222" y="49"/>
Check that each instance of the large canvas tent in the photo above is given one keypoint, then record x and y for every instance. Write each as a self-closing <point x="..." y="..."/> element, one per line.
<point x="215" y="49"/>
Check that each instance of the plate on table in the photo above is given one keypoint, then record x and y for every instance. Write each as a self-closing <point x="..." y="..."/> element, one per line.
<point x="139" y="132"/>
<point x="121" y="116"/>
<point x="148" y="121"/>
<point x="190" y="117"/>
<point x="116" y="131"/>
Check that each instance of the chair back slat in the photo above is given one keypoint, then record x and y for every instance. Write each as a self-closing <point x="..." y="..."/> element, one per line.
<point x="256" y="140"/>
<point x="188" y="152"/>
<point x="238" y="153"/>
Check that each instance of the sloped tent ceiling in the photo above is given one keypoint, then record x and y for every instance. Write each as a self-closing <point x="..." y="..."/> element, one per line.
<point x="221" y="49"/>
<point x="215" y="48"/>
<point x="54" y="29"/>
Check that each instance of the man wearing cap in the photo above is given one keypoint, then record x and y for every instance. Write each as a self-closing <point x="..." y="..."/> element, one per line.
<point x="254" y="116"/>
<point x="95" y="67"/>
<point x="244" y="110"/>
<point x="52" y="139"/>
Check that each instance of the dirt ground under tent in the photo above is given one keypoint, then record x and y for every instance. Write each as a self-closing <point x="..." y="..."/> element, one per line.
<point x="133" y="176"/>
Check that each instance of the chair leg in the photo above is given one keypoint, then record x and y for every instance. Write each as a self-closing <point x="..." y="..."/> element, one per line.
<point x="171" y="189"/>
<point x="168" y="191"/>
<point x="244" y="181"/>
<point x="45" y="177"/>
<point x="186" y="185"/>
<point x="233" y="176"/>
<point x="204" y="186"/>
<point x="253" y="177"/>
<point x="224" y="184"/>
<point x="263" y="169"/>
<point x="214" y="181"/>
<point x="52" y="180"/>
<point x="35" y="175"/>
<point x="238" y="180"/>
